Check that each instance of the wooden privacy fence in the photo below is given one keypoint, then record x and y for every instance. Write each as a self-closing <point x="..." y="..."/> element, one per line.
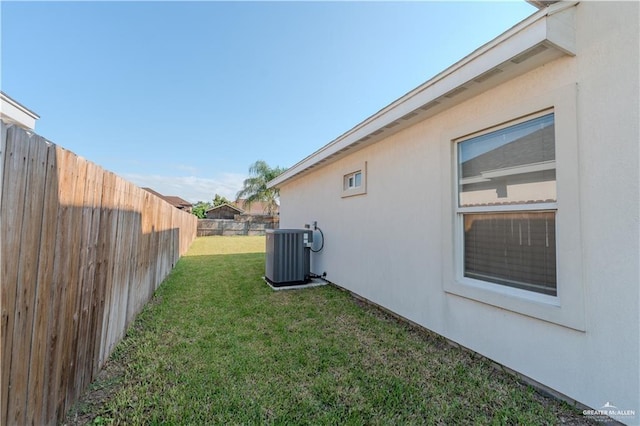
<point x="83" y="250"/>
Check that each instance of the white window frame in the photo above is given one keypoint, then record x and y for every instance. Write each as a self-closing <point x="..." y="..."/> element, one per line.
<point x="461" y="211"/>
<point x="352" y="190"/>
<point x="567" y="307"/>
<point x="350" y="180"/>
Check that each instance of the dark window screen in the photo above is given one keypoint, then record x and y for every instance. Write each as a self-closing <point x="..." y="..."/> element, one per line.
<point x="517" y="249"/>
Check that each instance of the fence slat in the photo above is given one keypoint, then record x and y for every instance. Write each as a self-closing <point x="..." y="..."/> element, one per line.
<point x="36" y="395"/>
<point x="27" y="261"/>
<point x="106" y="245"/>
<point x="91" y="295"/>
<point x="62" y="273"/>
<point x="72" y="281"/>
<point x="15" y="177"/>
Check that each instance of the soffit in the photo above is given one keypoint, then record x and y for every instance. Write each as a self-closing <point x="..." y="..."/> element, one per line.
<point x="543" y="37"/>
<point x="541" y="4"/>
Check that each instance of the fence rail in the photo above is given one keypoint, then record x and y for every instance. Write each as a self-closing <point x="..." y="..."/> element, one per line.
<point x="82" y="251"/>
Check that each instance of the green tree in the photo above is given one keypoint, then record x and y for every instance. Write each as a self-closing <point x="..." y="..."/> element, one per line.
<point x="200" y="208"/>
<point x="255" y="186"/>
<point x="219" y="200"/>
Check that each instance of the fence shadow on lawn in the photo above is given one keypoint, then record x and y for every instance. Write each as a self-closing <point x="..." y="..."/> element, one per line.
<point x="217" y="345"/>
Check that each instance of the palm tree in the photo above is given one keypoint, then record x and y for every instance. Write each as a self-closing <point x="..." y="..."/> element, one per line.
<point x="255" y="186"/>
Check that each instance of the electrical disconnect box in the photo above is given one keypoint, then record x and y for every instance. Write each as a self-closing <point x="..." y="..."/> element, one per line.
<point x="288" y="256"/>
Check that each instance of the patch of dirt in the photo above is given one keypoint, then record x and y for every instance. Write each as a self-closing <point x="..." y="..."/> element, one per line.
<point x="90" y="408"/>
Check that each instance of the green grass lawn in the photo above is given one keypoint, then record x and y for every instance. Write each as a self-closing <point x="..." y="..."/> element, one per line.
<point x="217" y="346"/>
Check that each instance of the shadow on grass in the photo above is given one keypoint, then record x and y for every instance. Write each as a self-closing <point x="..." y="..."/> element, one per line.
<point x="218" y="346"/>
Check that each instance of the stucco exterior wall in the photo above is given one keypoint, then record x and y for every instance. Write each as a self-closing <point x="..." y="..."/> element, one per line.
<point x="591" y="351"/>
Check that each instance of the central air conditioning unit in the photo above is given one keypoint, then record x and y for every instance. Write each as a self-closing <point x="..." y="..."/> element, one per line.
<point x="288" y="257"/>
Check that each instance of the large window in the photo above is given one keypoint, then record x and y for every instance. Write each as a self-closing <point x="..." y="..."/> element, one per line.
<point x="507" y="204"/>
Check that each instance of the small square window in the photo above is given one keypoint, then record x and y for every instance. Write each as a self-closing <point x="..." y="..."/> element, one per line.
<point x="354" y="182"/>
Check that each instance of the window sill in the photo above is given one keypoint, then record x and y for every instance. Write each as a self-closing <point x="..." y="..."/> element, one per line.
<point x="528" y="303"/>
<point x="353" y="192"/>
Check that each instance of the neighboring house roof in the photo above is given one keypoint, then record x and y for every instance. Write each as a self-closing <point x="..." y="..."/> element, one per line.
<point x="234" y="207"/>
<point x="515" y="154"/>
<point x="171" y="199"/>
<point x="539" y="39"/>
<point x="257" y="208"/>
<point x="157" y="194"/>
<point x="13" y="112"/>
<point x="177" y="201"/>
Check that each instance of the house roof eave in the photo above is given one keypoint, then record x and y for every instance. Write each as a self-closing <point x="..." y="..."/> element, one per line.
<point x="541" y="4"/>
<point x="13" y="112"/>
<point x="18" y="105"/>
<point x="527" y="45"/>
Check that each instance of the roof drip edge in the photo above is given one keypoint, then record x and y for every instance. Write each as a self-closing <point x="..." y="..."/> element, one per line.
<point x="541" y="38"/>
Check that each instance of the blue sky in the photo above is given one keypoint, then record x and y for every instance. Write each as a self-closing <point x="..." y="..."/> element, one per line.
<point x="184" y="96"/>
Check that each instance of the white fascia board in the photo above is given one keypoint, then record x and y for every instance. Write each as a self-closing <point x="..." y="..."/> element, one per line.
<point x="14" y="112"/>
<point x="561" y="28"/>
<point x="550" y="29"/>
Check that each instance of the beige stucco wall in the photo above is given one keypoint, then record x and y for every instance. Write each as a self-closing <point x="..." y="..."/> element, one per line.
<point x="395" y="245"/>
